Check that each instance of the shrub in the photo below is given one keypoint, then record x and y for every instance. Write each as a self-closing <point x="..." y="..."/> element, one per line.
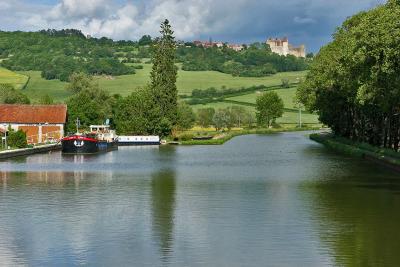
<point x="17" y="139"/>
<point x="186" y="137"/>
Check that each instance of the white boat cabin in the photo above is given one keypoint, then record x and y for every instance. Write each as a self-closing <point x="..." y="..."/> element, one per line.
<point x="139" y="140"/>
<point x="103" y="132"/>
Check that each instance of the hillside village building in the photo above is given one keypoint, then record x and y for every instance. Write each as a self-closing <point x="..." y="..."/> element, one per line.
<point x="283" y="48"/>
<point x="236" y="47"/>
<point x="41" y="123"/>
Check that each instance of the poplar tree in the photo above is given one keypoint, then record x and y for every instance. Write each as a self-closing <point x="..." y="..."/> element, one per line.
<point x="164" y="75"/>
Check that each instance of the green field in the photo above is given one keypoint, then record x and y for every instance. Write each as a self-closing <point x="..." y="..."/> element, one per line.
<point x="38" y="87"/>
<point x="189" y="80"/>
<point x="17" y="80"/>
<point x="125" y="84"/>
<point x="287" y="96"/>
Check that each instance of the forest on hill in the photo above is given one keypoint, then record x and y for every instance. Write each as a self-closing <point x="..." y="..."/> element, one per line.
<point x="59" y="53"/>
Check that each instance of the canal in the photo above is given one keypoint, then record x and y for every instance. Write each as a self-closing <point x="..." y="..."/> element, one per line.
<point x="258" y="200"/>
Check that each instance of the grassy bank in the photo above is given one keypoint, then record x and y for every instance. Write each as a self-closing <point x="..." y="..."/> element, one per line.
<point x="377" y="154"/>
<point x="226" y="136"/>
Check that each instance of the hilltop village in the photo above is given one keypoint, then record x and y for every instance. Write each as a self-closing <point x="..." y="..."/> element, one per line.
<point x="279" y="46"/>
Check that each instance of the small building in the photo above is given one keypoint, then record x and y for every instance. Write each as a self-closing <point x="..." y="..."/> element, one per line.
<point x="236" y="47"/>
<point x="41" y="123"/>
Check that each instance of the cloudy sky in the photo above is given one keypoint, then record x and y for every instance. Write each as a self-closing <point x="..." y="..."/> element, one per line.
<point x="243" y="21"/>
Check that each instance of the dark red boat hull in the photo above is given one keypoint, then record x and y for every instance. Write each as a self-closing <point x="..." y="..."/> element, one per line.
<point x="79" y="145"/>
<point x="85" y="145"/>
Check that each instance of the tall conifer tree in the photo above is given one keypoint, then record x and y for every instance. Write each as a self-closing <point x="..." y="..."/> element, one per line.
<point x="164" y="74"/>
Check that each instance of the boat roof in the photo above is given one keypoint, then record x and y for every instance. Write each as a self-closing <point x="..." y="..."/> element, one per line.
<point x="99" y="126"/>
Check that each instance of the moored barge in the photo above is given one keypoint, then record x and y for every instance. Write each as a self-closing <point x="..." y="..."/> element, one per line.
<point x="99" y="139"/>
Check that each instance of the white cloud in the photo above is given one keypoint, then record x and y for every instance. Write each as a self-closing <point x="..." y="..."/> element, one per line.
<point x="70" y="9"/>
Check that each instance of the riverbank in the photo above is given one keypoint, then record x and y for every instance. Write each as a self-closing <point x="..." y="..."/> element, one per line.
<point x="385" y="157"/>
<point x="5" y="154"/>
<point x="221" y="138"/>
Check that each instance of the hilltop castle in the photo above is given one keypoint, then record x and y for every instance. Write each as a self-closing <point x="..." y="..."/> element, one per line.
<point x="283" y="48"/>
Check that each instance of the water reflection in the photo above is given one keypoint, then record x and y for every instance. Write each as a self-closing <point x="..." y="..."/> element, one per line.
<point x="357" y="214"/>
<point x="163" y="190"/>
<point x="163" y="187"/>
<point x="53" y="178"/>
<point x="278" y="200"/>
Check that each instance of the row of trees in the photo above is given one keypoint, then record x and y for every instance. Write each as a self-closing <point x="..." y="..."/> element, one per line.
<point x="354" y="81"/>
<point x="212" y="92"/>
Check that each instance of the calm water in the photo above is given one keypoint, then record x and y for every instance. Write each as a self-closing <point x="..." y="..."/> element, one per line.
<point x="277" y="200"/>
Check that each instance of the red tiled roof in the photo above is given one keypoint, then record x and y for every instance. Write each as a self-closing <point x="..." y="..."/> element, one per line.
<point x="33" y="113"/>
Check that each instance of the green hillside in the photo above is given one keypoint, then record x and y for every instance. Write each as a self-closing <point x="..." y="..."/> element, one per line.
<point x="125" y="84"/>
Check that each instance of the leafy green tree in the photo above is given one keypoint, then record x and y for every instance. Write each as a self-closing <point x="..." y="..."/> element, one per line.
<point x="186" y="116"/>
<point x="269" y="107"/>
<point x="80" y="81"/>
<point x="164" y="74"/>
<point x="16" y="139"/>
<point x="310" y="55"/>
<point x="205" y="117"/>
<point x="238" y="115"/>
<point x="249" y="119"/>
<point x="9" y="95"/>
<point x="91" y="105"/>
<point x="145" y="40"/>
<point x="285" y="83"/>
<point x="132" y="113"/>
<point x="221" y="119"/>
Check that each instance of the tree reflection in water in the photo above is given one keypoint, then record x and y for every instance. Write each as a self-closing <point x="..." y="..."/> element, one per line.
<point x="163" y="190"/>
<point x="163" y="187"/>
<point x="359" y="220"/>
